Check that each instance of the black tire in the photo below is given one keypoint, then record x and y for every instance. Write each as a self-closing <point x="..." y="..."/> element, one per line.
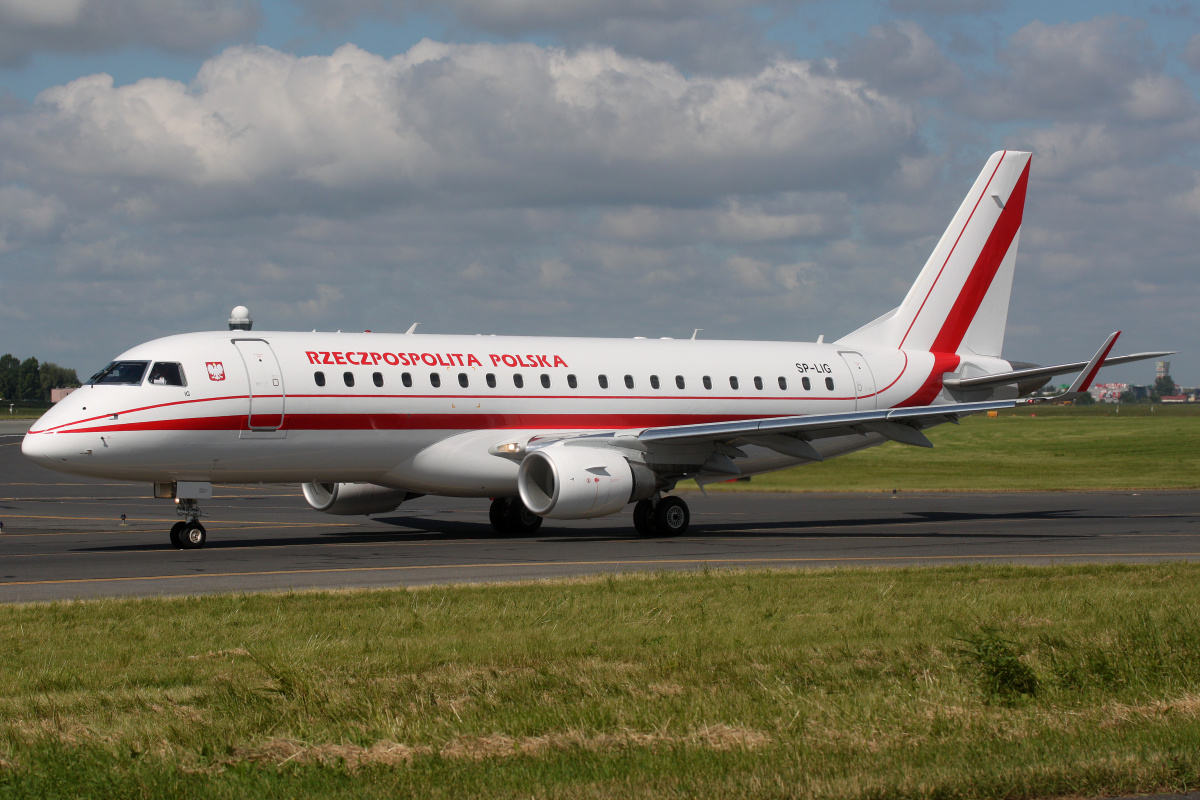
<point x="193" y="536"/>
<point x="520" y="519"/>
<point x="643" y="519"/>
<point x="671" y="517"/>
<point x="498" y="514"/>
<point x="176" y="542"/>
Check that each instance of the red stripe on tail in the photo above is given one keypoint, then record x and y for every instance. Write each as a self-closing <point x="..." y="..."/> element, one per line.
<point x="962" y="313"/>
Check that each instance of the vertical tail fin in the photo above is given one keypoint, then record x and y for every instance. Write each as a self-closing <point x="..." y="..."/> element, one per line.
<point x="959" y="302"/>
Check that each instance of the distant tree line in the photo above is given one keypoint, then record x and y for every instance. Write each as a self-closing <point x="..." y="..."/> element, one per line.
<point x="29" y="380"/>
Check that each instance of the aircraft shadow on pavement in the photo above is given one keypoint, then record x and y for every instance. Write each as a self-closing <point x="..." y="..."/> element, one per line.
<point x="434" y="529"/>
<point x="623" y="530"/>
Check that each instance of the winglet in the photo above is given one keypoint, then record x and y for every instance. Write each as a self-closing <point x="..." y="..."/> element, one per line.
<point x="1084" y="381"/>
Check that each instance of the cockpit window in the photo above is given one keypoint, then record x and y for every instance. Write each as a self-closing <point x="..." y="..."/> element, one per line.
<point x="128" y="372"/>
<point x="167" y="373"/>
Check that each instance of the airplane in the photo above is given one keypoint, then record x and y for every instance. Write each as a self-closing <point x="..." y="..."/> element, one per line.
<point x="555" y="427"/>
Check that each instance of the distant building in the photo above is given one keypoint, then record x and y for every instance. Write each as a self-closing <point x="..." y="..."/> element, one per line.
<point x="1108" y="392"/>
<point x="59" y="394"/>
<point x="1176" y="398"/>
<point x="1162" y="369"/>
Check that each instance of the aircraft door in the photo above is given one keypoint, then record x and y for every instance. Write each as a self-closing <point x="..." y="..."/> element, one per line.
<point x="864" y="381"/>
<point x="266" y="384"/>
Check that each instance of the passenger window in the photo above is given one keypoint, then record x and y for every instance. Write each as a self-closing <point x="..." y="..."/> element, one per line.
<point x="377" y="377"/>
<point x="463" y="380"/>
<point x="545" y="381"/>
<point x="518" y="381"/>
<point x="758" y="384"/>
<point x="732" y="382"/>
<point x="435" y="380"/>
<point x="574" y="384"/>
<point x="167" y="373"/>
<point x="406" y="379"/>
<point x="628" y="381"/>
<point x="319" y="378"/>
<point x="348" y="377"/>
<point x="653" y="381"/>
<point x="603" y="379"/>
<point x="829" y="384"/>
<point x="783" y="383"/>
<point x="707" y="382"/>
<point x="806" y="383"/>
<point x="491" y="380"/>
<point x="679" y="381"/>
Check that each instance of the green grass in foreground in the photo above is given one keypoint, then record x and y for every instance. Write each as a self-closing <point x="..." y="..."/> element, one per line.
<point x="989" y="682"/>
<point x="1085" y="448"/>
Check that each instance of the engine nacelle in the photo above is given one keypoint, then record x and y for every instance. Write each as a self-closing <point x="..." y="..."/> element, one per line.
<point x="562" y="482"/>
<point x="347" y="499"/>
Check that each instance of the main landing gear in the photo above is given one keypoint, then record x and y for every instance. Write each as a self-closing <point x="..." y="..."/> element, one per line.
<point x="509" y="516"/>
<point x="664" y="516"/>
<point x="188" y="534"/>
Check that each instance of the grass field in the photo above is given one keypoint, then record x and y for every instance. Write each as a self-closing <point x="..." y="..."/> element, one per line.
<point x="987" y="682"/>
<point x="1041" y="448"/>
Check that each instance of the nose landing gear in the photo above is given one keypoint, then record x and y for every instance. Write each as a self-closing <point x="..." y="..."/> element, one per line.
<point x="188" y="534"/>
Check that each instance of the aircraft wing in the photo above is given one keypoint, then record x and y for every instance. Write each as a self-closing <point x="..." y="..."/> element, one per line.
<point x="791" y="436"/>
<point x="899" y="424"/>
<point x="1021" y="375"/>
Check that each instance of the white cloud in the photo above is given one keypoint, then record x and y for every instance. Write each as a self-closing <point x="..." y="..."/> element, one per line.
<point x="465" y="123"/>
<point x="27" y="217"/>
<point x="1072" y="70"/>
<point x="714" y="36"/>
<point x="900" y="58"/>
<point x="88" y="26"/>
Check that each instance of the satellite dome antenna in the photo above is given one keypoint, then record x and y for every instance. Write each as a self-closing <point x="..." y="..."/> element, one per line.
<point x="239" y="319"/>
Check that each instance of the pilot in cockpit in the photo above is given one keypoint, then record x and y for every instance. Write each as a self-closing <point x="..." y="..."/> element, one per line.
<point x="165" y="373"/>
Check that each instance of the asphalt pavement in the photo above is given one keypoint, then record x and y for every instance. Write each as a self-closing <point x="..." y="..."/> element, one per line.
<point x="63" y="537"/>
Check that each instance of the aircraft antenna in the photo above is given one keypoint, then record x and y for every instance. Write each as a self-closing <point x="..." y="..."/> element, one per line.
<point x="239" y="319"/>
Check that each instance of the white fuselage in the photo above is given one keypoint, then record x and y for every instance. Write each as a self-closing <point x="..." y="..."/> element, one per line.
<point x="252" y="409"/>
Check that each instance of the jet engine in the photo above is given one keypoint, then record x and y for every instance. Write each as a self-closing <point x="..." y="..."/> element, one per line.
<point x="563" y="482"/>
<point x="347" y="499"/>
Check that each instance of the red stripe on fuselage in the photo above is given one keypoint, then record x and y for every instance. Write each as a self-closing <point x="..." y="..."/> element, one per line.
<point x="942" y="363"/>
<point x="400" y="422"/>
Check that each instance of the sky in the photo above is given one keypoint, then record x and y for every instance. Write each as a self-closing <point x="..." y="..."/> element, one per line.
<point x="760" y="169"/>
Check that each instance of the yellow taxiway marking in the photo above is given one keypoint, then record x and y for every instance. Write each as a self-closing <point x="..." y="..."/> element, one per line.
<point x="612" y="562"/>
<point x="476" y="541"/>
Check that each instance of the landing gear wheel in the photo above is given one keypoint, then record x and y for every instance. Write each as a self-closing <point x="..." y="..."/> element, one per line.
<point x="520" y="519"/>
<point x="192" y="536"/>
<point x="510" y="517"/>
<point x="176" y="529"/>
<point x="671" y="517"/>
<point x="498" y="514"/>
<point x="643" y="519"/>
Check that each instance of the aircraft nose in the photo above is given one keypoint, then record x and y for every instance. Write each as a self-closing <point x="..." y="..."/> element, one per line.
<point x="45" y="447"/>
<point x="40" y="448"/>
